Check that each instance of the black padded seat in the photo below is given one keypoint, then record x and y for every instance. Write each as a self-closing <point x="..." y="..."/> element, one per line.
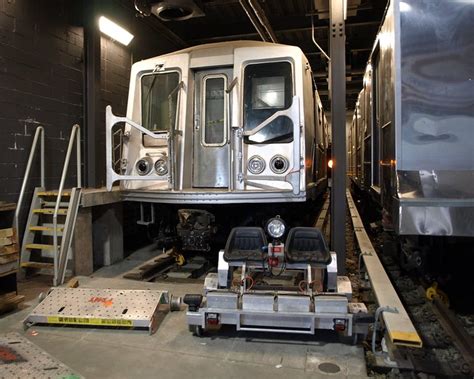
<point x="306" y="245"/>
<point x="245" y="243"/>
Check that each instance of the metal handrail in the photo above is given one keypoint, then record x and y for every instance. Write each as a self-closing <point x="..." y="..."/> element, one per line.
<point x="75" y="135"/>
<point x="39" y="133"/>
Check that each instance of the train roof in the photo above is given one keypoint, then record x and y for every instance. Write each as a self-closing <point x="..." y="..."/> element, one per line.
<point x="218" y="48"/>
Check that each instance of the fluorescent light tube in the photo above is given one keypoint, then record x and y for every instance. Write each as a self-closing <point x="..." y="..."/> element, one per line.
<point x="114" y="31"/>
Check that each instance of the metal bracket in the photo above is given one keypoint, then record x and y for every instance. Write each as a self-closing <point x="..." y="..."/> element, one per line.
<point x="142" y="220"/>
<point x="359" y="265"/>
<point x="378" y="312"/>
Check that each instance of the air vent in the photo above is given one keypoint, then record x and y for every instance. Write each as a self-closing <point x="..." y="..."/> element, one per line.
<point x="176" y="10"/>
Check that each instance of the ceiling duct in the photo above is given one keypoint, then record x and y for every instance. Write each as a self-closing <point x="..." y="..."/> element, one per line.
<point x="176" y="10"/>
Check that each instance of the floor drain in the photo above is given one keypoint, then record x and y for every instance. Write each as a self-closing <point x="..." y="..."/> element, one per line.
<point x="329" y="368"/>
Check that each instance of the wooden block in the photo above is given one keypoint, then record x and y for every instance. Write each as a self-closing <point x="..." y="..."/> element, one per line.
<point x="4" y="250"/>
<point x="150" y="267"/>
<point x="73" y="283"/>
<point x="10" y="301"/>
<point x="5" y="241"/>
<point x="7" y="207"/>
<point x="7" y="258"/>
<point x="8" y="268"/>
<point x="82" y="243"/>
<point x="6" y="232"/>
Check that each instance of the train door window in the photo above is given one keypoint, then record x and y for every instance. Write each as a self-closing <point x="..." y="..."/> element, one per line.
<point x="214" y="111"/>
<point x="159" y="102"/>
<point x="376" y="119"/>
<point x="268" y="88"/>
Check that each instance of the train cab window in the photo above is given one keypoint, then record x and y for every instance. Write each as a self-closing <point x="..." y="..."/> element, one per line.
<point x="268" y="88"/>
<point x="159" y="100"/>
<point x="214" y="110"/>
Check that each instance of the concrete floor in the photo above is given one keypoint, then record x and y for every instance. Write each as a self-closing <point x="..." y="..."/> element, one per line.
<point x="172" y="352"/>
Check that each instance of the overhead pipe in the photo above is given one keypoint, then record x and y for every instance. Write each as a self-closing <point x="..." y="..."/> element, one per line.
<point x="259" y="20"/>
<point x="260" y="13"/>
<point x="250" y="14"/>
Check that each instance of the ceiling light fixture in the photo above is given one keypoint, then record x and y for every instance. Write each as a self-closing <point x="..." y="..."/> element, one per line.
<point x="115" y="31"/>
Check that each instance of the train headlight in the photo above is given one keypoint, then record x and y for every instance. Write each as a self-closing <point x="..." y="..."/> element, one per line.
<point x="161" y="167"/>
<point x="143" y="166"/>
<point x="276" y="227"/>
<point x="279" y="164"/>
<point x="256" y="165"/>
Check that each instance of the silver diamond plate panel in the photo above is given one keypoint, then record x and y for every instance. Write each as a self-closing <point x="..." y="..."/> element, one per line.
<point x="20" y="358"/>
<point x="101" y="307"/>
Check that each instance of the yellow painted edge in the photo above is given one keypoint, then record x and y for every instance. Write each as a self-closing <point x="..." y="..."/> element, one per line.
<point x="88" y="321"/>
<point x="412" y="338"/>
<point x="52" y="193"/>
<point x="39" y="246"/>
<point x="45" y="228"/>
<point x="38" y="265"/>
<point x="50" y="211"/>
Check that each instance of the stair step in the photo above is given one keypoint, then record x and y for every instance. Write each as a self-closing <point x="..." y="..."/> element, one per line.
<point x="52" y="204"/>
<point x="39" y="246"/>
<point x="60" y="228"/>
<point x="53" y="193"/>
<point x="39" y="265"/>
<point x="50" y="211"/>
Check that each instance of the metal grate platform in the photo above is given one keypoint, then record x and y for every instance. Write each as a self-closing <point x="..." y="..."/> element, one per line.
<point x="20" y="358"/>
<point x="102" y="307"/>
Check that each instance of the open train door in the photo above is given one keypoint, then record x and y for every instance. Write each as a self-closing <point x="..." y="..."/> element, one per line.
<point x="211" y="128"/>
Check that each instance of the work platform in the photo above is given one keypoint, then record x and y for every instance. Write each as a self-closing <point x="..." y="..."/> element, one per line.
<point x="101" y="307"/>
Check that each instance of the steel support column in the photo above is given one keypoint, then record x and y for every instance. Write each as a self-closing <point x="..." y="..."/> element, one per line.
<point x="92" y="96"/>
<point x="337" y="41"/>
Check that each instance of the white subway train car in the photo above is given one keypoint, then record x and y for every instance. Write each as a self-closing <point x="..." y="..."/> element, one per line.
<point x="220" y="124"/>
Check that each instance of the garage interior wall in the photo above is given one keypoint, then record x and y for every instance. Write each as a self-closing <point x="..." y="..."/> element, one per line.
<point x="42" y="74"/>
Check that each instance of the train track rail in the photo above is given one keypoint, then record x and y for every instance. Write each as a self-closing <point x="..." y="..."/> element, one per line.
<point x="448" y="348"/>
<point x="451" y="324"/>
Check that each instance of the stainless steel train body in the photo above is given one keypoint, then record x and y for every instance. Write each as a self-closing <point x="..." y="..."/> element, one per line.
<point x="222" y="123"/>
<point x="411" y="142"/>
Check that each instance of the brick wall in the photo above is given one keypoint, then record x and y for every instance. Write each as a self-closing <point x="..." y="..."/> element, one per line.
<point x="42" y="83"/>
<point x="41" y="78"/>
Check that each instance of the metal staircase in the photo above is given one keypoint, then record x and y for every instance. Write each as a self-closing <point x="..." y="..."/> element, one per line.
<point x="52" y="217"/>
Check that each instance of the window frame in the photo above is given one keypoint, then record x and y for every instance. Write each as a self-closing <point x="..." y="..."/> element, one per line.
<point x="140" y="92"/>
<point x="244" y="82"/>
<point x="203" y="111"/>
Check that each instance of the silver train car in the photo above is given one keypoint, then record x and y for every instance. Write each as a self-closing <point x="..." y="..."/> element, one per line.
<point x="224" y="123"/>
<point x="411" y="141"/>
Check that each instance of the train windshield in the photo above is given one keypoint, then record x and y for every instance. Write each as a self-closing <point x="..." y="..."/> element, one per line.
<point x="268" y="88"/>
<point x="159" y="101"/>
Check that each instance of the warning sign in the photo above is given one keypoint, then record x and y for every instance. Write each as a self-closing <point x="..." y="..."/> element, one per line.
<point x="89" y="321"/>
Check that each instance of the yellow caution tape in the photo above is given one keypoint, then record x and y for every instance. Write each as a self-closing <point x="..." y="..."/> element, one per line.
<point x="89" y="321"/>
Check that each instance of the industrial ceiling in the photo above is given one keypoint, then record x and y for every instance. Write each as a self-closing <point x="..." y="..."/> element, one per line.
<point x="191" y="22"/>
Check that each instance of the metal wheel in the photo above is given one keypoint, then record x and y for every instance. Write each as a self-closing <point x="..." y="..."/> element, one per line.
<point x="196" y="330"/>
<point x="175" y="303"/>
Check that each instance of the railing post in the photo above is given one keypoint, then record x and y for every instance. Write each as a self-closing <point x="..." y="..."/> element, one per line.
<point x="43" y="182"/>
<point x="75" y="133"/>
<point x="38" y="133"/>
<point x="78" y="157"/>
